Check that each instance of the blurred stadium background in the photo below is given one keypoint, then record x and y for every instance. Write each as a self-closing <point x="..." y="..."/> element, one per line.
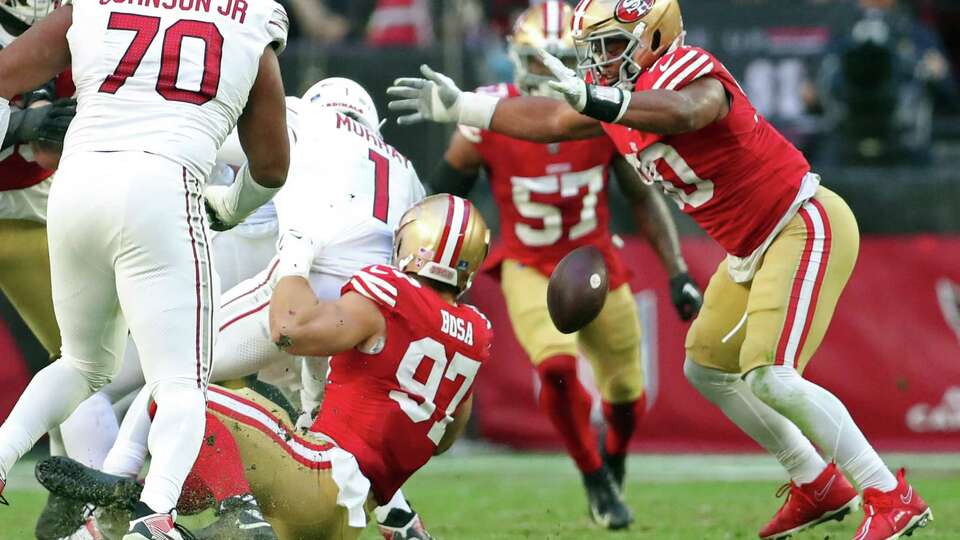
<point x="876" y="108"/>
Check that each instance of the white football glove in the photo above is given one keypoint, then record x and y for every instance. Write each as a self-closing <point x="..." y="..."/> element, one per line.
<point x="568" y="83"/>
<point x="437" y="99"/>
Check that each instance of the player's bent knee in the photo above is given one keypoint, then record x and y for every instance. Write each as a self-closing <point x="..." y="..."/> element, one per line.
<point x="777" y="386"/>
<point x="97" y="375"/>
<point x="622" y="388"/>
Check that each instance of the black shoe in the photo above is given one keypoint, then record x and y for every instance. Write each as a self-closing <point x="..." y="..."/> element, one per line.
<point x="68" y="478"/>
<point x="403" y="525"/>
<point x="605" y="503"/>
<point x="240" y="519"/>
<point x="60" y="517"/>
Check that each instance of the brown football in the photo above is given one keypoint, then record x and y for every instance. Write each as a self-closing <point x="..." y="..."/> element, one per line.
<point x="578" y="289"/>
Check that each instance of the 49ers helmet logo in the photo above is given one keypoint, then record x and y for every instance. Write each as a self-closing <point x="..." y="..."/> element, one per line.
<point x="631" y="11"/>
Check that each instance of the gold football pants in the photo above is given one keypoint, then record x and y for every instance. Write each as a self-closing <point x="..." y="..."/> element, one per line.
<point x="611" y="342"/>
<point x="790" y="301"/>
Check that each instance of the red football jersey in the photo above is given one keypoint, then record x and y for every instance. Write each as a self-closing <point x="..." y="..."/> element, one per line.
<point x="18" y="170"/>
<point x="737" y="177"/>
<point x="552" y="197"/>
<point x="390" y="409"/>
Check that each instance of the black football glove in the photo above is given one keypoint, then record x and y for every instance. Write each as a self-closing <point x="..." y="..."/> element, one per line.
<point x="686" y="296"/>
<point x="53" y="128"/>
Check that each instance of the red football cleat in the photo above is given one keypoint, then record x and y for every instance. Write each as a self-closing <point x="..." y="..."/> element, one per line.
<point x="829" y="496"/>
<point x="894" y="513"/>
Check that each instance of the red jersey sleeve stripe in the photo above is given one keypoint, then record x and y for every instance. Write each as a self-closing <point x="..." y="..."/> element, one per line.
<point x="384" y="292"/>
<point x="671" y="66"/>
<point x="684" y="75"/>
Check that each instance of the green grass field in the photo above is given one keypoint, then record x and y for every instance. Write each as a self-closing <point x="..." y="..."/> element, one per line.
<point x="523" y="496"/>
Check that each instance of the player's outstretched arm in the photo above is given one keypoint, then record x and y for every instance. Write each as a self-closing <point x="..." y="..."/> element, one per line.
<point x="301" y="324"/>
<point x="656" y="224"/>
<point x="436" y="98"/>
<point x="664" y="112"/>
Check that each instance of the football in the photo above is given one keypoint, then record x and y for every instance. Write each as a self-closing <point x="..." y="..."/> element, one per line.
<point x="577" y="289"/>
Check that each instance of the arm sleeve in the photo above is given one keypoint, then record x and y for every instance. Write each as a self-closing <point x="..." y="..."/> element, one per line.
<point x="448" y="179"/>
<point x="277" y="27"/>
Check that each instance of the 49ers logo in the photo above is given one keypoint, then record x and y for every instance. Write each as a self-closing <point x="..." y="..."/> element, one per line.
<point x="631" y="11"/>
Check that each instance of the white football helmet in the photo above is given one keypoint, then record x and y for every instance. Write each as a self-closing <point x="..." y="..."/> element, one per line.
<point x="28" y="11"/>
<point x="347" y="97"/>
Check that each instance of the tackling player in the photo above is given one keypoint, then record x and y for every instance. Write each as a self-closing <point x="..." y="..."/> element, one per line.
<point x="405" y="355"/>
<point x="131" y="183"/>
<point x="553" y="199"/>
<point x="681" y="119"/>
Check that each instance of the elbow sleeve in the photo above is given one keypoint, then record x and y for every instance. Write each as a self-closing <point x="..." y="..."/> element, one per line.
<point x="448" y="179"/>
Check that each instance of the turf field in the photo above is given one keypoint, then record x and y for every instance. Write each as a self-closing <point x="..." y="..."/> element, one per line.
<point x="512" y="496"/>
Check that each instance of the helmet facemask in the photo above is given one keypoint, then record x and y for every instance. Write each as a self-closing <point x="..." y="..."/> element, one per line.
<point x="594" y="56"/>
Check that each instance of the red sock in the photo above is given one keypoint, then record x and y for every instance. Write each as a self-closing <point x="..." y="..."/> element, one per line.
<point x="218" y="472"/>
<point x="622" y="420"/>
<point x="566" y="402"/>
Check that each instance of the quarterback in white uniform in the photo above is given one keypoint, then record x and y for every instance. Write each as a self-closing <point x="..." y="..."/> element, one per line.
<point x="159" y="87"/>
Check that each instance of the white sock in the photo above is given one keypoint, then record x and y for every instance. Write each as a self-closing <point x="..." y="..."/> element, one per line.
<point x="824" y="419"/>
<point x="89" y="433"/>
<point x="49" y="398"/>
<point x="129" y="451"/>
<point x="398" y="501"/>
<point x="57" y="447"/>
<point x="764" y="425"/>
<point x="174" y="441"/>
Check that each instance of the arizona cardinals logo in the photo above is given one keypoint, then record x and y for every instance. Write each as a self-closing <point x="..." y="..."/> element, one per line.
<point x="631" y="11"/>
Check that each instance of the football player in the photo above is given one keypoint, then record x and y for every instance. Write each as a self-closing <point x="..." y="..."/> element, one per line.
<point x="127" y="225"/>
<point x="364" y="188"/>
<point x="681" y="119"/>
<point x="553" y="199"/>
<point x="379" y="422"/>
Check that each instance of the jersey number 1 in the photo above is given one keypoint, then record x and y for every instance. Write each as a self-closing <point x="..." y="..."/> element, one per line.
<point x="381" y="185"/>
<point x="145" y="30"/>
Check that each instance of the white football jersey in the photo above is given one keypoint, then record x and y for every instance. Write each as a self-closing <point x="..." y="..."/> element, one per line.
<point x="347" y="189"/>
<point x="168" y="77"/>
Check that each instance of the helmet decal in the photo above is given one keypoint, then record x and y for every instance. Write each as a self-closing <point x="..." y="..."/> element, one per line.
<point x="630" y="11"/>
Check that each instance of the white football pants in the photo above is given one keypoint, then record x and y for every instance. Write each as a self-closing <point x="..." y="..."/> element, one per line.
<point x="129" y="249"/>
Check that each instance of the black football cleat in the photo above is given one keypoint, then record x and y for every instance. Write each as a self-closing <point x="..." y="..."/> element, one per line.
<point x="68" y="478"/>
<point x="3" y="484"/>
<point x="240" y="518"/>
<point x="60" y="518"/>
<point x="403" y="525"/>
<point x="605" y="503"/>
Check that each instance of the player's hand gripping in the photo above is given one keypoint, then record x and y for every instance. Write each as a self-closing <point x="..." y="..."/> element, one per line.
<point x="686" y="296"/>
<point x="53" y="128"/>
<point x="434" y="99"/>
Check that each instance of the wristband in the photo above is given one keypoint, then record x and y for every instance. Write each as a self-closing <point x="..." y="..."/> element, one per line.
<point x="606" y="103"/>
<point x="295" y="252"/>
<point x="476" y="110"/>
